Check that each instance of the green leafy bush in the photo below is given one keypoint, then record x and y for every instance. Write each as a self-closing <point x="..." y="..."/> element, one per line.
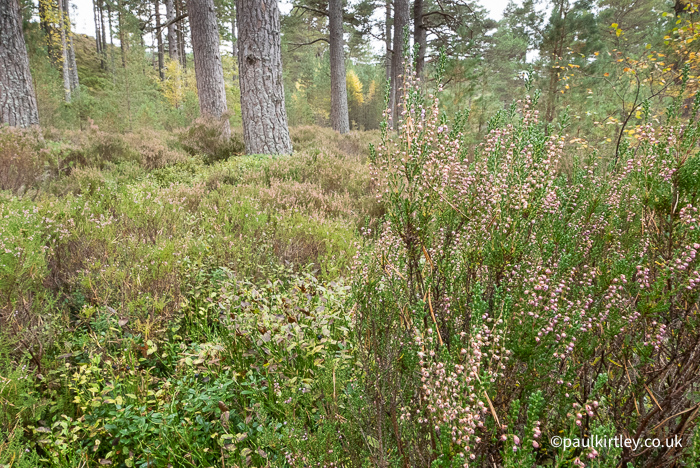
<point x="506" y="302"/>
<point x="204" y="138"/>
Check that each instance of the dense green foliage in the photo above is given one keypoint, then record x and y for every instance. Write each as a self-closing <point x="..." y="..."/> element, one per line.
<point x="516" y="262"/>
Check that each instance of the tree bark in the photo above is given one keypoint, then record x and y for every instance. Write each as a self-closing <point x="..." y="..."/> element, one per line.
<point x="159" y="42"/>
<point x="265" y="129"/>
<point x="180" y="36"/>
<point x="387" y="39"/>
<point x="18" y="106"/>
<point x="111" y="36"/>
<point x="420" y="36"/>
<point x="72" y="65"/>
<point x="234" y="41"/>
<point x="340" y="120"/>
<point x="556" y="52"/>
<point x="104" y="33"/>
<point x="401" y="18"/>
<point x="208" y="68"/>
<point x="173" y="52"/>
<point x="98" y="35"/>
<point x="65" y="70"/>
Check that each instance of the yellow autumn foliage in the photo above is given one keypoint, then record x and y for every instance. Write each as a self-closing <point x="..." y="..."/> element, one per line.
<point x="354" y="86"/>
<point x="177" y="83"/>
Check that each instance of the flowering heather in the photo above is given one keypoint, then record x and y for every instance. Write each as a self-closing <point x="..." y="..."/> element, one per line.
<point x="507" y="300"/>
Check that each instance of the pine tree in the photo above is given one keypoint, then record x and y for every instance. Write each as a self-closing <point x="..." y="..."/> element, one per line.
<point x="18" y="106"/>
<point x="264" y="115"/>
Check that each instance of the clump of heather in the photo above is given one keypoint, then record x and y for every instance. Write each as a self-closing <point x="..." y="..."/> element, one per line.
<point x="507" y="301"/>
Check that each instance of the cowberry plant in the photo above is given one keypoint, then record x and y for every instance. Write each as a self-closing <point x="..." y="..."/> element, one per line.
<point x="519" y="291"/>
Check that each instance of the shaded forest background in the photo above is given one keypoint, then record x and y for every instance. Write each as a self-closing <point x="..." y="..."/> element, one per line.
<point x="595" y="61"/>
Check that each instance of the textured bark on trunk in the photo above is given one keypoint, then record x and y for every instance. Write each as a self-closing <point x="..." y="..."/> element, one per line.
<point x="420" y="36"/>
<point x="173" y="50"/>
<point x="265" y="129"/>
<point x="65" y="62"/>
<point x="207" y="62"/>
<point x="72" y="65"/>
<point x="401" y="18"/>
<point x="17" y="100"/>
<point x="340" y="120"/>
<point x="181" y="36"/>
<point x="159" y="41"/>
<point x="387" y="39"/>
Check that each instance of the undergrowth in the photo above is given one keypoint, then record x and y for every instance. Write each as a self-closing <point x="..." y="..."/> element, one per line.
<point x="427" y="303"/>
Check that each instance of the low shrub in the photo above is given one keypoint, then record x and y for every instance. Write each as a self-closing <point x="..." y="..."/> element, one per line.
<point x="203" y="138"/>
<point x="506" y="302"/>
<point x="22" y="159"/>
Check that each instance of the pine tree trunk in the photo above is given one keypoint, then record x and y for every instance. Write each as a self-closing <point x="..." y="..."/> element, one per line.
<point x="102" y="26"/>
<point x="111" y="37"/>
<point x="181" y="37"/>
<point x="556" y="52"/>
<point x="234" y="41"/>
<point x="208" y="68"/>
<point x="339" y="94"/>
<point x="65" y="61"/>
<point x="159" y="41"/>
<point x="265" y="129"/>
<point x="70" y="49"/>
<point x="387" y="39"/>
<point x="420" y="36"/>
<point x="98" y="35"/>
<point x="17" y="99"/>
<point x="401" y="18"/>
<point x="173" y="52"/>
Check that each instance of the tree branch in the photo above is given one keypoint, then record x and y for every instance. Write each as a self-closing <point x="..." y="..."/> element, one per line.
<point x="302" y="44"/>
<point x="313" y="10"/>
<point x="177" y="19"/>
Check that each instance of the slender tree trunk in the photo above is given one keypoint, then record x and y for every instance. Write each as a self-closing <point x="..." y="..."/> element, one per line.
<point x="420" y="36"/>
<point x="339" y="93"/>
<point x="265" y="129"/>
<point x="72" y="65"/>
<point x="122" y="36"/>
<point x="17" y="99"/>
<point x="102" y="27"/>
<point x="387" y="39"/>
<point x="556" y="52"/>
<point x="234" y="41"/>
<point x="111" y="36"/>
<point x="98" y="35"/>
<point x="208" y="68"/>
<point x="159" y="41"/>
<point x="181" y="36"/>
<point x="172" y="33"/>
<point x="64" y="52"/>
<point x="401" y="19"/>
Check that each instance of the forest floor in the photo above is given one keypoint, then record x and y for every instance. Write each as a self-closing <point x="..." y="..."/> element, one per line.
<point x="126" y="258"/>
